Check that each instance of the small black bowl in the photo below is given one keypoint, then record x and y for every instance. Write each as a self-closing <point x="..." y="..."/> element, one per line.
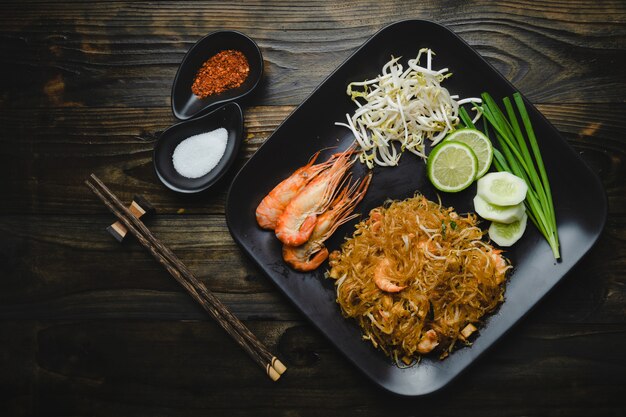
<point x="185" y="104"/>
<point x="229" y="117"/>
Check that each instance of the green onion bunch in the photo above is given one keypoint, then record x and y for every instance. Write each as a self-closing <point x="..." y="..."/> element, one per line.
<point x="519" y="154"/>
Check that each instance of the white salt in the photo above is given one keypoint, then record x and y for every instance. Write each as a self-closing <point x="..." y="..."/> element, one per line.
<point x="199" y="154"/>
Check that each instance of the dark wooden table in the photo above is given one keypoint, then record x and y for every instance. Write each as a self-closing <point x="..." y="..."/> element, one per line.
<point x="89" y="327"/>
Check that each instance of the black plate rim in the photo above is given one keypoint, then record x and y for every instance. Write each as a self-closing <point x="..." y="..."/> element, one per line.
<point x="557" y="136"/>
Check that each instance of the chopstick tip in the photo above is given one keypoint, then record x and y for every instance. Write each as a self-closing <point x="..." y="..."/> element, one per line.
<point x="278" y="365"/>
<point x="271" y="372"/>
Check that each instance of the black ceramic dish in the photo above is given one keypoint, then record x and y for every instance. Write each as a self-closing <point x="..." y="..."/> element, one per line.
<point x="185" y="104"/>
<point x="229" y="117"/>
<point x="311" y="127"/>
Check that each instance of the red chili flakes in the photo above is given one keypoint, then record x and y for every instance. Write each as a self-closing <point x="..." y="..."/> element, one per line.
<point x="223" y="71"/>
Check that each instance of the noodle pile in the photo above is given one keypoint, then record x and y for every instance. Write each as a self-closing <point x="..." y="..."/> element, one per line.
<point x="451" y="278"/>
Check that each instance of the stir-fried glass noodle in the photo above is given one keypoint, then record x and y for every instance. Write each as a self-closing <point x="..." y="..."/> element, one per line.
<point x="405" y="106"/>
<point x="418" y="278"/>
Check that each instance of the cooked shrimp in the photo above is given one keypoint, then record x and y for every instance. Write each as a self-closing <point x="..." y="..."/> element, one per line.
<point x="381" y="277"/>
<point x="375" y="220"/>
<point x="274" y="203"/>
<point x="297" y="221"/>
<point x="300" y="260"/>
<point x="501" y="264"/>
<point x="428" y="342"/>
<point x="311" y="254"/>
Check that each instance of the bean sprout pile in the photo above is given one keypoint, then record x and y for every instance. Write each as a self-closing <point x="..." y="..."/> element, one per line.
<point x="404" y="106"/>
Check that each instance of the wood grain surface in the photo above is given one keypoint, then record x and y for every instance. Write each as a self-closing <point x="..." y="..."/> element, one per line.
<point x="91" y="327"/>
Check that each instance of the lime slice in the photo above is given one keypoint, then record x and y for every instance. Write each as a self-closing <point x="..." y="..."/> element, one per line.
<point x="452" y="166"/>
<point x="480" y="144"/>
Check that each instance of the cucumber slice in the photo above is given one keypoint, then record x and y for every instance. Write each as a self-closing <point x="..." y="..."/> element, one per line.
<point x="502" y="188"/>
<point x="507" y="234"/>
<point x="501" y="214"/>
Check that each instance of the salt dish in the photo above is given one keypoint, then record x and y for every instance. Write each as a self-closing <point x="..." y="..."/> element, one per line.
<point x="185" y="104"/>
<point x="229" y="117"/>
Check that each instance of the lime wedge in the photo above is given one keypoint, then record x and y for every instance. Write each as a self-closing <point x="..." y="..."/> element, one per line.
<point x="451" y="166"/>
<point x="480" y="144"/>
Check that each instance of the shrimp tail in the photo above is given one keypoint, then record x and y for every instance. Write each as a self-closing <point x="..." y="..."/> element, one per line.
<point x="388" y="286"/>
<point x="293" y="256"/>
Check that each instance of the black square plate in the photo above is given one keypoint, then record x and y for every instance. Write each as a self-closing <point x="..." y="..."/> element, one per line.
<point x="579" y="199"/>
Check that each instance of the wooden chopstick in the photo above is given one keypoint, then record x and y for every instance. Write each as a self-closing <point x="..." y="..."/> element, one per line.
<point x="233" y="326"/>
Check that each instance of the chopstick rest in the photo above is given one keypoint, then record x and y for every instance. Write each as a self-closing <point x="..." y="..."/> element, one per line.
<point x="272" y="366"/>
<point x="140" y="207"/>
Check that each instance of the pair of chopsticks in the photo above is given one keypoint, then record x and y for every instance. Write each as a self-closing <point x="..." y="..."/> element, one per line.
<point x="233" y="326"/>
